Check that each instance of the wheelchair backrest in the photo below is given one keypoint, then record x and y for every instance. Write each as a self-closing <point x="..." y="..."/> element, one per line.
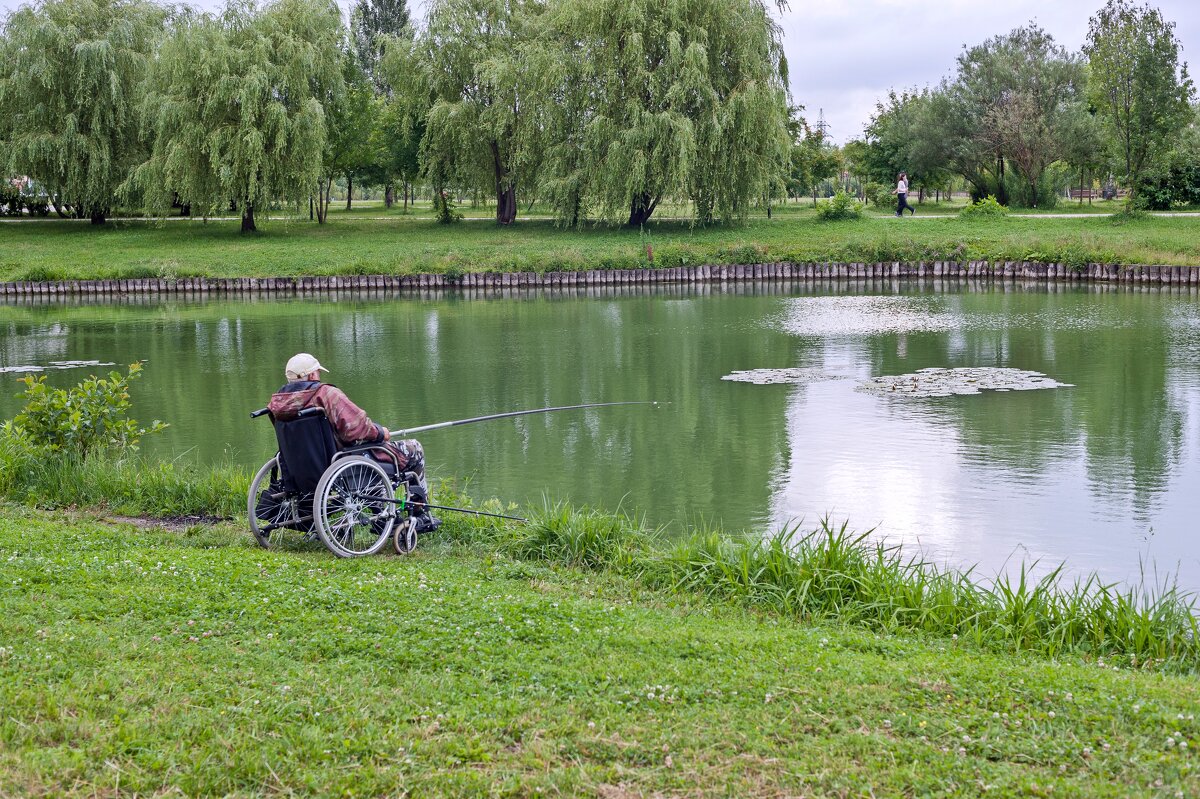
<point x="306" y="448"/>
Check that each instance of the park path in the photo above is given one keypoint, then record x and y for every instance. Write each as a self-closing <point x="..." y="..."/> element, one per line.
<point x="414" y="218"/>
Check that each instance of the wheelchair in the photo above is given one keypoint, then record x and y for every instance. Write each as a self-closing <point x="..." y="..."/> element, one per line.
<point x="345" y="496"/>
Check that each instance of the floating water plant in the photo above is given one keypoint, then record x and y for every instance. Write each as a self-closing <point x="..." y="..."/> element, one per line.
<point x="936" y="382"/>
<point x="764" y="377"/>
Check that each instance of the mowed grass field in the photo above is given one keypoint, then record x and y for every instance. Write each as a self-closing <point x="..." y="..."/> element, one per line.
<point x="368" y="240"/>
<point x="148" y="662"/>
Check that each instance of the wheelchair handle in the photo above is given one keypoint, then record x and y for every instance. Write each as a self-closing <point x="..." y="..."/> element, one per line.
<point x="258" y="413"/>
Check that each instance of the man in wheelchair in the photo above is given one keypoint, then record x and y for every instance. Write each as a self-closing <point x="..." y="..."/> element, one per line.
<point x="351" y="425"/>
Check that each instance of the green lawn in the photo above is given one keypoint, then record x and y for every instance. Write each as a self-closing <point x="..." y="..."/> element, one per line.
<point x="362" y="243"/>
<point x="146" y="662"/>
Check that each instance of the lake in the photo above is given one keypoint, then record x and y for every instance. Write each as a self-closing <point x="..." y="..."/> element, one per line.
<point x="1104" y="474"/>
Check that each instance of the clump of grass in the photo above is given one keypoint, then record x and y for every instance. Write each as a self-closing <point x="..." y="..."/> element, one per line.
<point x="585" y="538"/>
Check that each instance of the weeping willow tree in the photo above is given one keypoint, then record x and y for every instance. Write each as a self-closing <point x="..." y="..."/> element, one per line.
<point x="70" y="79"/>
<point x="237" y="109"/>
<point x="666" y="99"/>
<point x="471" y="60"/>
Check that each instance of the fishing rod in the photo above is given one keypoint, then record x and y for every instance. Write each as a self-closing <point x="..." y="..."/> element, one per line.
<point x="457" y="422"/>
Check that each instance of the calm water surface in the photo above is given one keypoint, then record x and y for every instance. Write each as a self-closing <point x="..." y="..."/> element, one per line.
<point x="1104" y="475"/>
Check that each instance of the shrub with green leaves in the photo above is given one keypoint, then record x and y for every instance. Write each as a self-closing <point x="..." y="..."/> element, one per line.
<point x="90" y="417"/>
<point x="989" y="206"/>
<point x="842" y="206"/>
<point x="445" y="210"/>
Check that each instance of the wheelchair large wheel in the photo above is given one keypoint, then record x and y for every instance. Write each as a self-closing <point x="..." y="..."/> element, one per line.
<point x="268" y="508"/>
<point x="353" y="507"/>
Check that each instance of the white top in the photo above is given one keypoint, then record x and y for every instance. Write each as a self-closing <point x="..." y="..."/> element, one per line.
<point x="902" y="187"/>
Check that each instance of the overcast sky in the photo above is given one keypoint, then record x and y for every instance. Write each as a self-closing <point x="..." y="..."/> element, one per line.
<point x="844" y="55"/>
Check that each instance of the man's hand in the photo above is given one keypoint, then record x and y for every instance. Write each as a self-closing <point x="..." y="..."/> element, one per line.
<point x="387" y="436"/>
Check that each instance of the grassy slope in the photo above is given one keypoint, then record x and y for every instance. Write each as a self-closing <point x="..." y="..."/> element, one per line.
<point x="359" y="243"/>
<point x="138" y="660"/>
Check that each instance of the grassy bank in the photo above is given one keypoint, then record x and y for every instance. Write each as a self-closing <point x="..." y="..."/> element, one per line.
<point x="828" y="574"/>
<point x="358" y="243"/>
<point x="141" y="662"/>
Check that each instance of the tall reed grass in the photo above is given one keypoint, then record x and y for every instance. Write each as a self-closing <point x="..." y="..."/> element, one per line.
<point x="831" y="574"/>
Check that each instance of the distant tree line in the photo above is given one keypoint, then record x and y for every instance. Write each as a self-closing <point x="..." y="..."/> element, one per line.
<point x="1023" y="119"/>
<point x="601" y="109"/>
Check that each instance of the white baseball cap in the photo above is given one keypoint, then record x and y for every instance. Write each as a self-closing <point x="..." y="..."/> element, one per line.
<point x="301" y="365"/>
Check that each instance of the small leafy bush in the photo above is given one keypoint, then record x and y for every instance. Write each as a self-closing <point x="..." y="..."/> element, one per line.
<point x="842" y="206"/>
<point x="445" y="210"/>
<point x="981" y="209"/>
<point x="879" y="195"/>
<point x="90" y="417"/>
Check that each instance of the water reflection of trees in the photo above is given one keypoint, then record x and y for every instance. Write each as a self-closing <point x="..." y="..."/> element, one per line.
<point x="1123" y="413"/>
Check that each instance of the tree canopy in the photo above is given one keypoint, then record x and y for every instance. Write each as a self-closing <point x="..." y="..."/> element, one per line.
<point x="71" y="78"/>
<point x="1138" y="82"/>
<point x="237" y="106"/>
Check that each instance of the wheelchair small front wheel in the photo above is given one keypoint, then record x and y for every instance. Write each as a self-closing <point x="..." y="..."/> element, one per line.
<point x="269" y="508"/>
<point x="354" y="507"/>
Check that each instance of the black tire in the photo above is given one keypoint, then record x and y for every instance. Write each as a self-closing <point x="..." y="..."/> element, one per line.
<point x="284" y="513"/>
<point x="353" y="507"/>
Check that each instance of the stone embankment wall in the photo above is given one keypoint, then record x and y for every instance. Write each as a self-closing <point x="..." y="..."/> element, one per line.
<point x="965" y="270"/>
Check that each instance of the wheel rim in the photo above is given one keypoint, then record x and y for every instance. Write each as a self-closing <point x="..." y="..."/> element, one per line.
<point x="355" y="513"/>
<point x="406" y="536"/>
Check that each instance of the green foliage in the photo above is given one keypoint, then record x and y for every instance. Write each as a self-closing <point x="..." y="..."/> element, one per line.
<point x="879" y="195"/>
<point x="988" y="207"/>
<point x="468" y="68"/>
<point x="372" y="22"/>
<point x="1138" y="83"/>
<point x="1177" y="181"/>
<point x="663" y="100"/>
<point x="90" y="417"/>
<point x="841" y="206"/>
<point x="71" y="78"/>
<point x="445" y="210"/>
<point x="238" y="107"/>
<point x="1008" y="114"/>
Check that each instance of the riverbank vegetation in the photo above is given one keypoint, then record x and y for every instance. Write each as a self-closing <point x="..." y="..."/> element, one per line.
<point x="411" y="245"/>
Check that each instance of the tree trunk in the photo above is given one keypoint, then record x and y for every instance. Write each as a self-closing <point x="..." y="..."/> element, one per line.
<point x="640" y="209"/>
<point x="185" y="209"/>
<point x="97" y="217"/>
<point x="389" y="195"/>
<point x="310" y="208"/>
<point x="506" y="206"/>
<point x="406" y="197"/>
<point x="349" y="191"/>
<point x="248" y="219"/>
<point x="506" y="189"/>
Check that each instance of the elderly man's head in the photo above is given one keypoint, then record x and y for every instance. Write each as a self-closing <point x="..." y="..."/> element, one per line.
<point x="303" y="366"/>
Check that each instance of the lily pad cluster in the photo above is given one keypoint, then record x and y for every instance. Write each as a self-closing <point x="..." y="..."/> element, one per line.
<point x="936" y="382"/>
<point x="766" y="377"/>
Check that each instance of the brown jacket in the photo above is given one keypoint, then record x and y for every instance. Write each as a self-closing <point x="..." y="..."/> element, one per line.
<point x="350" y="422"/>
